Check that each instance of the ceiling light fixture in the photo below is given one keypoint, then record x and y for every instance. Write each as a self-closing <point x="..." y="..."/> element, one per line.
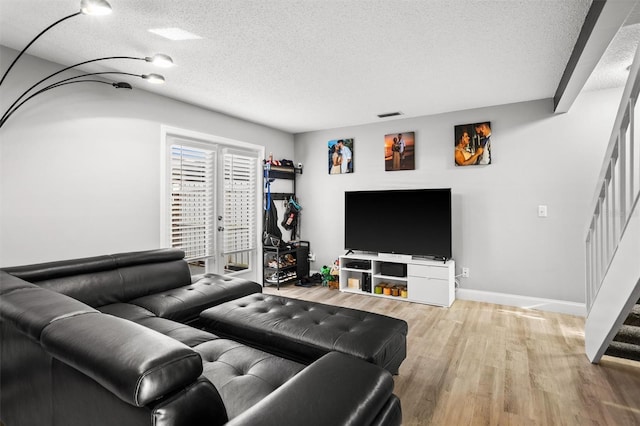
<point x="174" y="34"/>
<point x="87" y="7"/>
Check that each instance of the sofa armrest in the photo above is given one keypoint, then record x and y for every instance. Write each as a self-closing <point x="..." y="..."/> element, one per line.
<point x="337" y="389"/>
<point x="135" y="363"/>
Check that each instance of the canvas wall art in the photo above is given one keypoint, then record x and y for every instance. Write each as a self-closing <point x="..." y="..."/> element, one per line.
<point x="399" y="151"/>
<point x="472" y="144"/>
<point x="340" y="156"/>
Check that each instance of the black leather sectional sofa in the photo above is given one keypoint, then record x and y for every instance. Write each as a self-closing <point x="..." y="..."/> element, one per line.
<point x="116" y="340"/>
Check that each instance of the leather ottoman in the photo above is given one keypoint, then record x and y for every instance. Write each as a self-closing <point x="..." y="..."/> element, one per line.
<point x="304" y="331"/>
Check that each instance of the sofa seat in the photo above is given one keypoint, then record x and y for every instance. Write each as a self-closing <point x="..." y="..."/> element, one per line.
<point x="243" y="375"/>
<point x="305" y="331"/>
<point x="183" y="333"/>
<point x="184" y="304"/>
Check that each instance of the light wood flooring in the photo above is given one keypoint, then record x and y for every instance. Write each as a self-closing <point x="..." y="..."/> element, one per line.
<point x="484" y="364"/>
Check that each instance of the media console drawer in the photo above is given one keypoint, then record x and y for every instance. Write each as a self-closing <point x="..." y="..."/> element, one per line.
<point x="427" y="271"/>
<point x="430" y="290"/>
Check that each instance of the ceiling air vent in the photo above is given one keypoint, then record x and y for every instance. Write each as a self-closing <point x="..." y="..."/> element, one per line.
<point x="389" y="114"/>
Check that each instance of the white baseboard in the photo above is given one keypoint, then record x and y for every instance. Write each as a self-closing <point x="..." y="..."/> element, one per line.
<point x="526" y="302"/>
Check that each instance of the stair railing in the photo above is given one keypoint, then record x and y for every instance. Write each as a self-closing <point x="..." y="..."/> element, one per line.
<point x="618" y="187"/>
<point x="613" y="238"/>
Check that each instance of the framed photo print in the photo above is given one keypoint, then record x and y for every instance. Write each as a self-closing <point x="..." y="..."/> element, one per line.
<point x="340" y="156"/>
<point x="399" y="151"/>
<point x="472" y="144"/>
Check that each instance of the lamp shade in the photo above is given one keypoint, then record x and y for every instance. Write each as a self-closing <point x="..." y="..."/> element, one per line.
<point x="154" y="78"/>
<point x="160" y="60"/>
<point x="95" y="7"/>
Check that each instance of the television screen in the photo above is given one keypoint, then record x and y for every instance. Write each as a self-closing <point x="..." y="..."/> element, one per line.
<point x="408" y="221"/>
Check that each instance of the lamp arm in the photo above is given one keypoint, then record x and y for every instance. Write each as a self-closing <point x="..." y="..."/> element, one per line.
<point x="52" y="86"/>
<point x="64" y="82"/>
<point x="32" y="41"/>
<point x="65" y="69"/>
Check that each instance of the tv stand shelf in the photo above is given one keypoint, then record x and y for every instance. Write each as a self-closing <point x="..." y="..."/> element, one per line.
<point x="430" y="282"/>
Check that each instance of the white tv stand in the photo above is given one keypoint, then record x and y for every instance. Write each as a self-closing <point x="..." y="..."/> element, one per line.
<point x="427" y="281"/>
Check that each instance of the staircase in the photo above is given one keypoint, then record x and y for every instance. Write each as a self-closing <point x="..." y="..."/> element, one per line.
<point x="626" y="343"/>
<point x="612" y="244"/>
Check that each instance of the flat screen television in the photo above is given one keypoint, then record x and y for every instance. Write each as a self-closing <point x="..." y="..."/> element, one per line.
<point x="406" y="221"/>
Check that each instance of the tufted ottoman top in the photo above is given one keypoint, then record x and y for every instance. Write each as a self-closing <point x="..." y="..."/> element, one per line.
<point x="304" y="331"/>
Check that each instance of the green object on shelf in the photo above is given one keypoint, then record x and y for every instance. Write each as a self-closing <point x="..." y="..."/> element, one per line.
<point x="377" y="290"/>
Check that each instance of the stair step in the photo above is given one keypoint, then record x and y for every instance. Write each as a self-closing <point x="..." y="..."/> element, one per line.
<point x="634" y="316"/>
<point x="624" y="350"/>
<point x="628" y="334"/>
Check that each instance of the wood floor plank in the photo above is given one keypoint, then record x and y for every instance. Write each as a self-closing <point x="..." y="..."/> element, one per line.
<point x="483" y="364"/>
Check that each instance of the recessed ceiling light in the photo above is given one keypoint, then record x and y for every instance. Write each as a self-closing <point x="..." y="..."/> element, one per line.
<point x="175" y="34"/>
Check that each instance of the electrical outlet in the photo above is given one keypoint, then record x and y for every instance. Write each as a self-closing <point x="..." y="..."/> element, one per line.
<point x="312" y="257"/>
<point x="542" y="211"/>
<point x="465" y="272"/>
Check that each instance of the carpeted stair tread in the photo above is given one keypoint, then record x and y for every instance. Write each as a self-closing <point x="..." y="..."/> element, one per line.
<point x="626" y="343"/>
<point x="624" y="350"/>
<point x="628" y="334"/>
<point x="634" y="316"/>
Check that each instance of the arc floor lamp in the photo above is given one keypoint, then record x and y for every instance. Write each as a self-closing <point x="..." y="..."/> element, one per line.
<point x="87" y="7"/>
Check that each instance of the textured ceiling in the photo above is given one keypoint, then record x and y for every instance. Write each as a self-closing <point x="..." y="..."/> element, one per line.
<point x="307" y="65"/>
<point x="612" y="70"/>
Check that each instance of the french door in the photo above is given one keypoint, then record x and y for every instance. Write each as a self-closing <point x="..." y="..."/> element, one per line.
<point x="210" y="202"/>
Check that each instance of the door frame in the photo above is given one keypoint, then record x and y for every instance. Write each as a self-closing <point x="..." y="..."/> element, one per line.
<point x="218" y="143"/>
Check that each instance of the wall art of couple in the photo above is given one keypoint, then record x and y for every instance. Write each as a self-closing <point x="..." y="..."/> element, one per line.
<point x="399" y="151"/>
<point x="340" y="156"/>
<point x="473" y="144"/>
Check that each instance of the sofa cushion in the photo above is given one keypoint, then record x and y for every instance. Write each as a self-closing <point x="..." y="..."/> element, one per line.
<point x="92" y="280"/>
<point x="184" y="304"/>
<point x="146" y="257"/>
<point x="243" y="375"/>
<point x="9" y="283"/>
<point x="127" y="311"/>
<point x="102" y="280"/>
<point x="145" y="279"/>
<point x="186" y="334"/>
<point x="95" y="289"/>
<point x="62" y="268"/>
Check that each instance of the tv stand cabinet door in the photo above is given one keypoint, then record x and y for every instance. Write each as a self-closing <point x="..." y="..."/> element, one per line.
<point x="430" y="284"/>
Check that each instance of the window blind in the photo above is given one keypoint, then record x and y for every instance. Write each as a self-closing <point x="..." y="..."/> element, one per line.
<point x="192" y="216"/>
<point x="240" y="198"/>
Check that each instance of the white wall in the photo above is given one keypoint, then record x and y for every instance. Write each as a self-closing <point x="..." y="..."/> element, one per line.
<point x="80" y="165"/>
<point x="79" y="176"/>
<point x="538" y="158"/>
